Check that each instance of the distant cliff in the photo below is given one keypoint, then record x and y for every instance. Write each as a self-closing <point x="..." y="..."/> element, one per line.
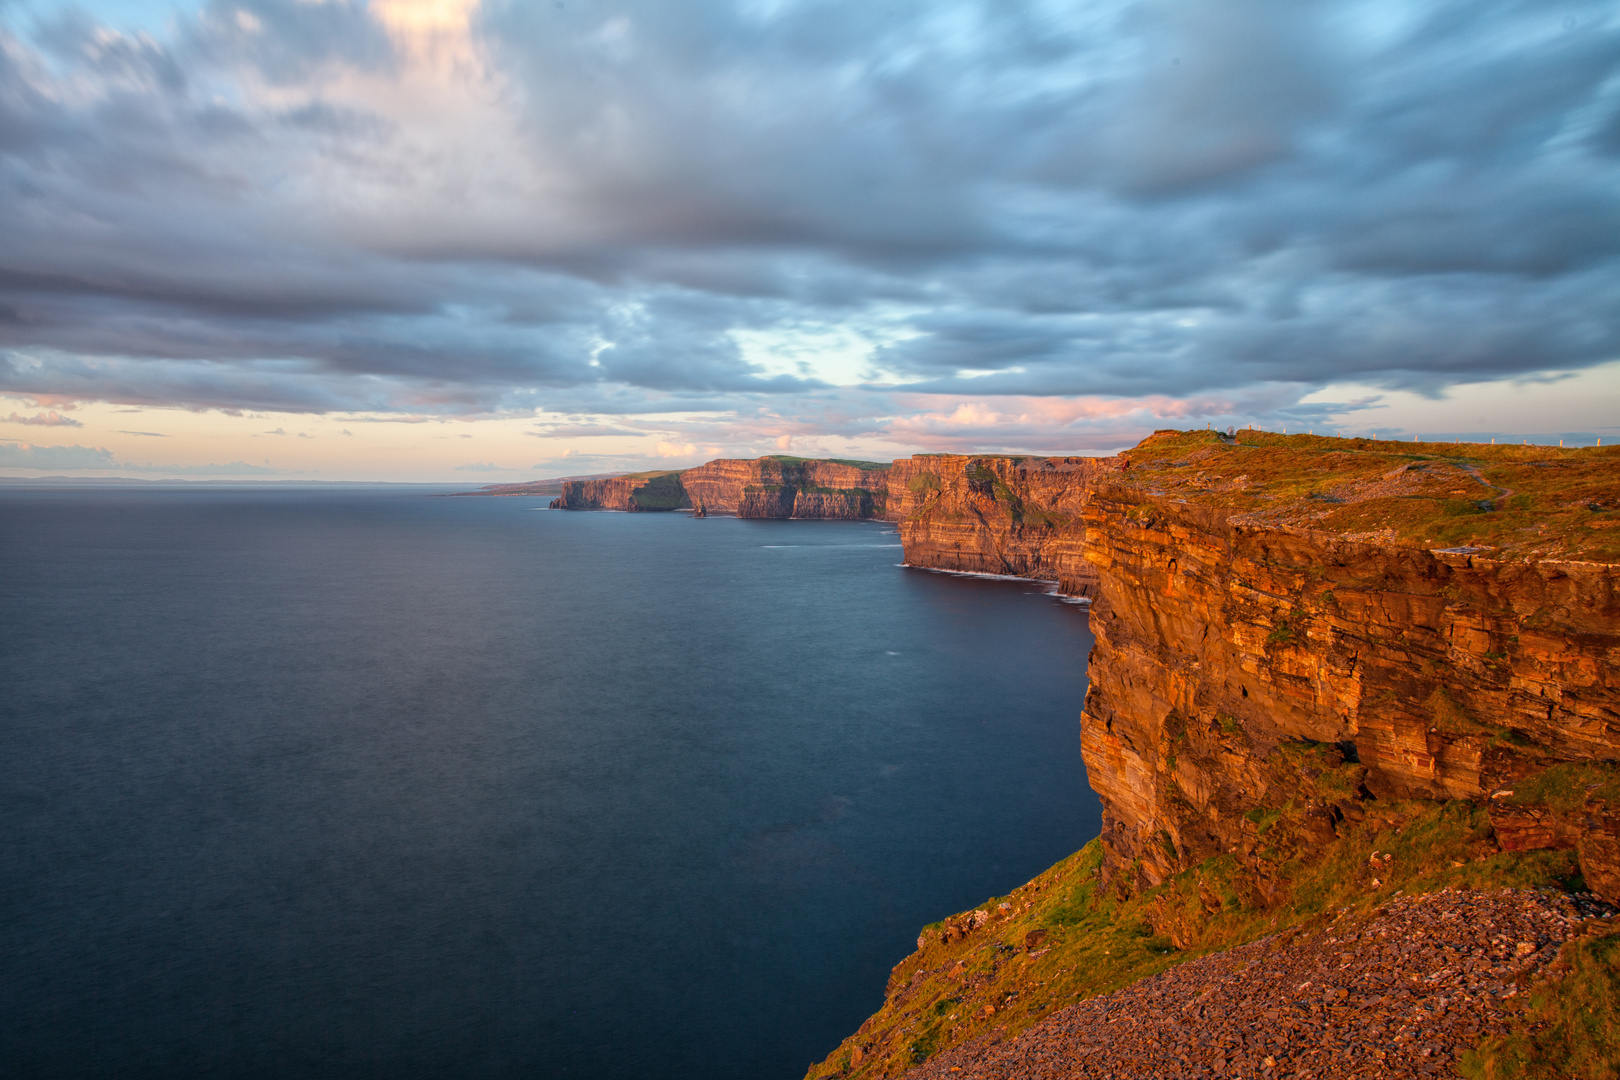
<point x="984" y="514"/>
<point x="769" y="487"/>
<point x="634" y="492"/>
<point x="998" y="515"/>
<point x="788" y="487"/>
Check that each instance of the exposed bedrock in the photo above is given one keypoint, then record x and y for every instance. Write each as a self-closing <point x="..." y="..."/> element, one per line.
<point x="1219" y="639"/>
<point x="769" y="487"/>
<point x="636" y="492"/>
<point x="998" y="515"/>
<point x="777" y="487"/>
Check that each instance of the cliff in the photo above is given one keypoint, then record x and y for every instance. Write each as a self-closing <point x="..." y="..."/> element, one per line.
<point x="998" y="515"/>
<point x="767" y="487"/>
<point x="788" y="487"/>
<point x="633" y="492"/>
<point x="1446" y="617"/>
<point x="1326" y="672"/>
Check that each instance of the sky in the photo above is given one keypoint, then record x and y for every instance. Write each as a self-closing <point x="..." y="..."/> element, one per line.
<point x="488" y="240"/>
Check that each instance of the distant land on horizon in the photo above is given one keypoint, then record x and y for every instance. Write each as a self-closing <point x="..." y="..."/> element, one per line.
<point x="553" y="486"/>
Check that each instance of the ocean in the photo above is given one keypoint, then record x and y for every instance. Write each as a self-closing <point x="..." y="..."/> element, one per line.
<point x="371" y="783"/>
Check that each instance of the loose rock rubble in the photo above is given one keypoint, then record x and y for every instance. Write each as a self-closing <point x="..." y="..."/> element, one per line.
<point x="1398" y="994"/>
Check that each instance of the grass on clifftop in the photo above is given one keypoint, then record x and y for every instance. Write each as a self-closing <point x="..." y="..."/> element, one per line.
<point x="1519" y="502"/>
<point x="659" y="491"/>
<point x="1570" y="1027"/>
<point x="854" y="463"/>
<point x="1064" y="936"/>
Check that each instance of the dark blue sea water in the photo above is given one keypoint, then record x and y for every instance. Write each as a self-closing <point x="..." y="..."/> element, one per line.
<point x="365" y="783"/>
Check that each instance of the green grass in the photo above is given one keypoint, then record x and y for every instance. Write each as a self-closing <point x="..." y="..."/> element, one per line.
<point x="1521" y="501"/>
<point x="923" y="483"/>
<point x="1567" y="787"/>
<point x="1570" y="1027"/>
<point x="1281" y="634"/>
<point x="1098" y="942"/>
<point x="854" y="463"/>
<point x="661" y="491"/>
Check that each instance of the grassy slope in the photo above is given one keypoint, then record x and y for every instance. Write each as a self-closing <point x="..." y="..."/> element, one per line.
<point x="1523" y="501"/>
<point x="1569" y="1028"/>
<point x="659" y="491"/>
<point x="865" y="466"/>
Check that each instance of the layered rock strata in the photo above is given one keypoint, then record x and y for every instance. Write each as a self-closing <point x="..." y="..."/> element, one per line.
<point x="1018" y="516"/>
<point x="1223" y="634"/>
<point x="635" y="492"/>
<point x="783" y="487"/>
<point x="768" y="487"/>
<point x="998" y="515"/>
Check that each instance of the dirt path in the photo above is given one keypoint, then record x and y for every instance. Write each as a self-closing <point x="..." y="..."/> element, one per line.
<point x="1503" y="494"/>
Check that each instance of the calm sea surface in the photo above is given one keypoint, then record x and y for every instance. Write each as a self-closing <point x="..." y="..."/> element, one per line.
<point x="366" y="783"/>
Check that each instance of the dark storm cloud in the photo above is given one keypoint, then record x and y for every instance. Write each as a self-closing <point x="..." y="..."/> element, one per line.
<point x="1164" y="197"/>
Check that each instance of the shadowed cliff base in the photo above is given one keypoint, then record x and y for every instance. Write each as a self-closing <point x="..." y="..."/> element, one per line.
<point x="1326" y="671"/>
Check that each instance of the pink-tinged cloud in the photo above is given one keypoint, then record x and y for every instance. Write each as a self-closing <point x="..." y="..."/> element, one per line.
<point x="21" y="455"/>
<point x="1056" y="425"/>
<point x="44" y="419"/>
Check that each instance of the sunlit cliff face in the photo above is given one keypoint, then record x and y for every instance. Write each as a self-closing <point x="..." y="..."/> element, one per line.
<point x="444" y="239"/>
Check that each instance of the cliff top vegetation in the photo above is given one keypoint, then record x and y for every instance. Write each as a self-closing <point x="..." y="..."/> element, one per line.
<point x="854" y="463"/>
<point x="1507" y="502"/>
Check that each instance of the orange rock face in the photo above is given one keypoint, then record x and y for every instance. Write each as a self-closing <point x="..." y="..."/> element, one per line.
<point x="718" y="486"/>
<point x="768" y="487"/>
<point x="637" y="492"/>
<point x="1221" y="636"/>
<point x="998" y="515"/>
<point x="775" y="487"/>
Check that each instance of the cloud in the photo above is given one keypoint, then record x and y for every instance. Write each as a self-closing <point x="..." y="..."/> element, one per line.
<point x="584" y="431"/>
<point x="44" y="419"/>
<point x="482" y="466"/>
<point x="150" y="434"/>
<point x="575" y="464"/>
<point x="19" y="455"/>
<point x="14" y="455"/>
<point x="232" y="468"/>
<point x="1143" y="201"/>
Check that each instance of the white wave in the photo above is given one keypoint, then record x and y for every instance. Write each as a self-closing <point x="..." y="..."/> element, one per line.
<point x="1050" y="590"/>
